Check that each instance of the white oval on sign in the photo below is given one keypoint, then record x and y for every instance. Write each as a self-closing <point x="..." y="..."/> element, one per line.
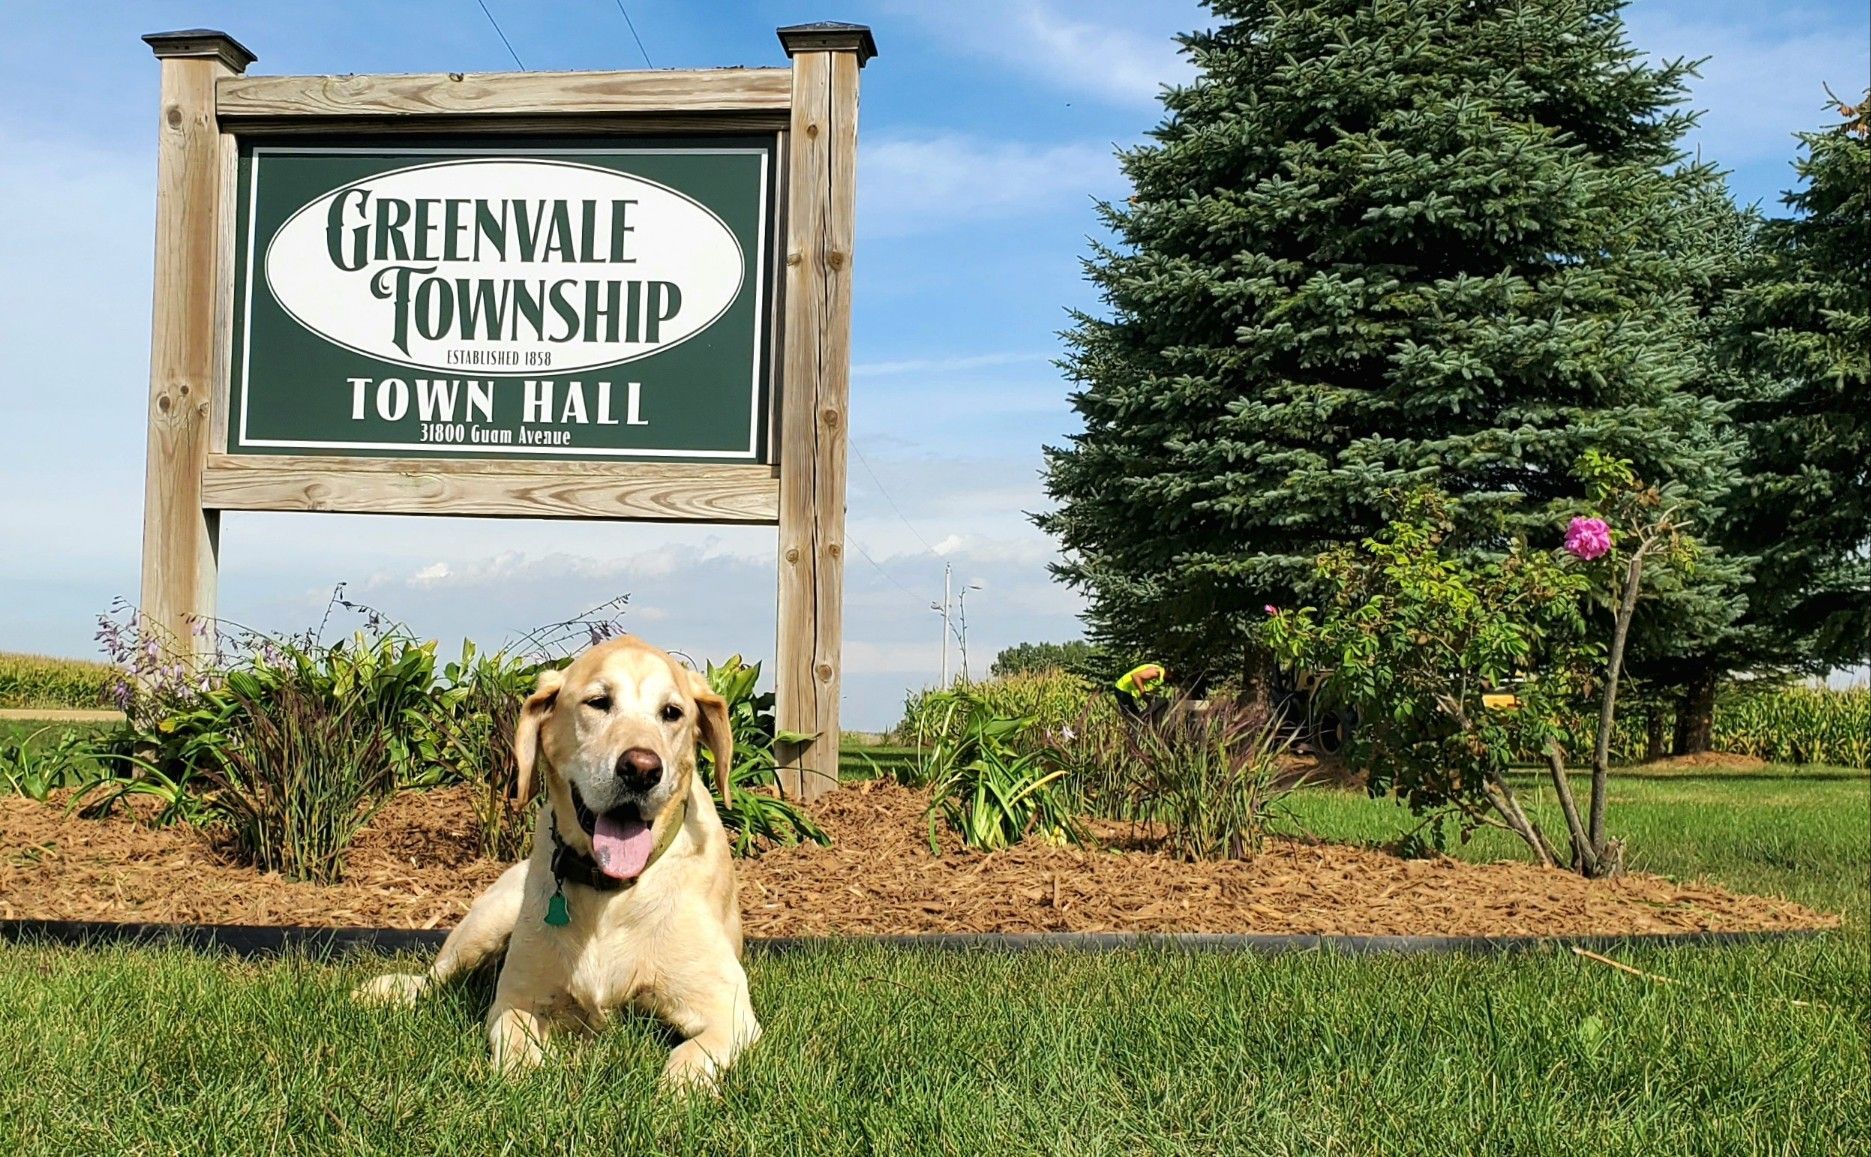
<point x="505" y="267"/>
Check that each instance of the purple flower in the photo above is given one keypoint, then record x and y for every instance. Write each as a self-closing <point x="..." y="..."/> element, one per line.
<point x="1588" y="538"/>
<point x="1271" y="609"/>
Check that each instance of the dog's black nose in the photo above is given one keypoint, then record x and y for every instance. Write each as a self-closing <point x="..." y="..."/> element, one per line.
<point x="640" y="768"/>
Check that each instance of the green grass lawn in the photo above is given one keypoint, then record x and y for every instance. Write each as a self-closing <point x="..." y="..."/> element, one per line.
<point x="871" y="1050"/>
<point x="49" y="731"/>
<point x="879" y="761"/>
<point x="1799" y="832"/>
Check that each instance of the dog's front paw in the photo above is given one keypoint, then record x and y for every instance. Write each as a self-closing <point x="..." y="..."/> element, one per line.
<point x="398" y="988"/>
<point x="517" y="1039"/>
<point x="690" y="1070"/>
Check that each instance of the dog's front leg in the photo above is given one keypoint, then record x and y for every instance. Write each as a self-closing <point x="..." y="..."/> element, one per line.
<point x="714" y="1011"/>
<point x="482" y="934"/>
<point x="517" y="1036"/>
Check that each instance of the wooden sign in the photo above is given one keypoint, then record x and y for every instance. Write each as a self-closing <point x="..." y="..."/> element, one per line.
<point x="620" y="295"/>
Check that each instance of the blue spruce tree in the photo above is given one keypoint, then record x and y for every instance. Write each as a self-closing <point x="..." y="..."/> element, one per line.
<point x="1374" y="245"/>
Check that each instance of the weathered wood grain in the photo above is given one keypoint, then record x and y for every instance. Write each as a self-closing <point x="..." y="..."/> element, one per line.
<point x="663" y="492"/>
<point x="833" y="414"/>
<point x="722" y="90"/>
<point x="795" y="689"/>
<point x="479" y="124"/>
<point x="190" y="329"/>
<point x="815" y="389"/>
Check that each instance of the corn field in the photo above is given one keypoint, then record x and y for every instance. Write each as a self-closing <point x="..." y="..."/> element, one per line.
<point x="40" y="681"/>
<point x="1777" y="724"/>
<point x="1797" y="725"/>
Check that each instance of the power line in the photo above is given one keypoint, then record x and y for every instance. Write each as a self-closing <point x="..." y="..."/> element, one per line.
<point x="950" y="628"/>
<point x="859" y="547"/>
<point x="958" y="630"/>
<point x="894" y="581"/>
<point x="630" y="24"/>
<point x="893" y="502"/>
<point x="499" y="33"/>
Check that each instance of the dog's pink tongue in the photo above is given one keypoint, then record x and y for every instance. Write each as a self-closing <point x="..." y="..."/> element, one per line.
<point x="621" y="849"/>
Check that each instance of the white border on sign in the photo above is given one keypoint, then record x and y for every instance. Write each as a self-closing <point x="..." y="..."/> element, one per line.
<point x="760" y="260"/>
<point x="739" y="253"/>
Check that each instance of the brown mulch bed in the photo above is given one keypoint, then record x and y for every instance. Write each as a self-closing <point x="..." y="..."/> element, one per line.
<point x="1719" y="760"/>
<point x="417" y="867"/>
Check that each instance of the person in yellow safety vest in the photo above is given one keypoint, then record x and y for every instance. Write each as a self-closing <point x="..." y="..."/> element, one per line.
<point x="1137" y="691"/>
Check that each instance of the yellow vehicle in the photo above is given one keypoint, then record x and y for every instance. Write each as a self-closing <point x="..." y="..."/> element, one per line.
<point x="1506" y="698"/>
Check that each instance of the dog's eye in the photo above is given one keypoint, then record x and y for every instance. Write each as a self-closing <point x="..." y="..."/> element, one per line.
<point x="599" y="703"/>
<point x="671" y="713"/>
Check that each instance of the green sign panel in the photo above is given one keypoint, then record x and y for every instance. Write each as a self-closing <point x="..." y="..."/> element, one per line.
<point x="588" y="300"/>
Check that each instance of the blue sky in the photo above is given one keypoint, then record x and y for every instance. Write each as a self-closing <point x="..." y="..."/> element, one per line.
<point x="987" y="129"/>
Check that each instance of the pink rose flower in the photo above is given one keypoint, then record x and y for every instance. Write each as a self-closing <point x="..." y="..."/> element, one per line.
<point x="1588" y="538"/>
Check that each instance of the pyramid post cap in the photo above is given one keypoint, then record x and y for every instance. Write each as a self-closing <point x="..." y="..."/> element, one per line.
<point x="829" y="36"/>
<point x="200" y="42"/>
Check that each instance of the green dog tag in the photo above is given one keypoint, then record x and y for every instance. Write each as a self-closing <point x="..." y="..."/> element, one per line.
<point x="556" y="915"/>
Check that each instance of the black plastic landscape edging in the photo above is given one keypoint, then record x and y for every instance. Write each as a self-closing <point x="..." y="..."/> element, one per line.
<point x="248" y="940"/>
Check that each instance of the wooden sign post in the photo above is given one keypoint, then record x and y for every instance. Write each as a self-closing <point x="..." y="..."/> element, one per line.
<point x="612" y="295"/>
<point x="822" y="175"/>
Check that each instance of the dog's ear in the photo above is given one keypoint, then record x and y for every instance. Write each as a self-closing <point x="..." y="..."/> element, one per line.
<point x="533" y="712"/>
<point x="719" y="737"/>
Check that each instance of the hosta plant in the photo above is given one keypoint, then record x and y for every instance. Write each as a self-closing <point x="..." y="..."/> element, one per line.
<point x="180" y="714"/>
<point x="758" y="815"/>
<point x="38" y="764"/>
<point x="992" y="792"/>
<point x="462" y="732"/>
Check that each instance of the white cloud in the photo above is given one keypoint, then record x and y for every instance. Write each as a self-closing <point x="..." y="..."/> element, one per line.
<point x="917" y="659"/>
<point x="703" y="604"/>
<point x="519" y="567"/>
<point x="1766" y="73"/>
<point x="1107" y="52"/>
<point x="1025" y="550"/>
<point x="945" y="365"/>
<point x="920" y="184"/>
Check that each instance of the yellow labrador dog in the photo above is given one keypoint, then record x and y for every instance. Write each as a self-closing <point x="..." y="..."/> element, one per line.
<point x="629" y="898"/>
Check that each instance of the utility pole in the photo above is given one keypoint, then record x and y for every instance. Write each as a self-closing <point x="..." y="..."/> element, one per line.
<point x="942" y="608"/>
<point x="962" y="623"/>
